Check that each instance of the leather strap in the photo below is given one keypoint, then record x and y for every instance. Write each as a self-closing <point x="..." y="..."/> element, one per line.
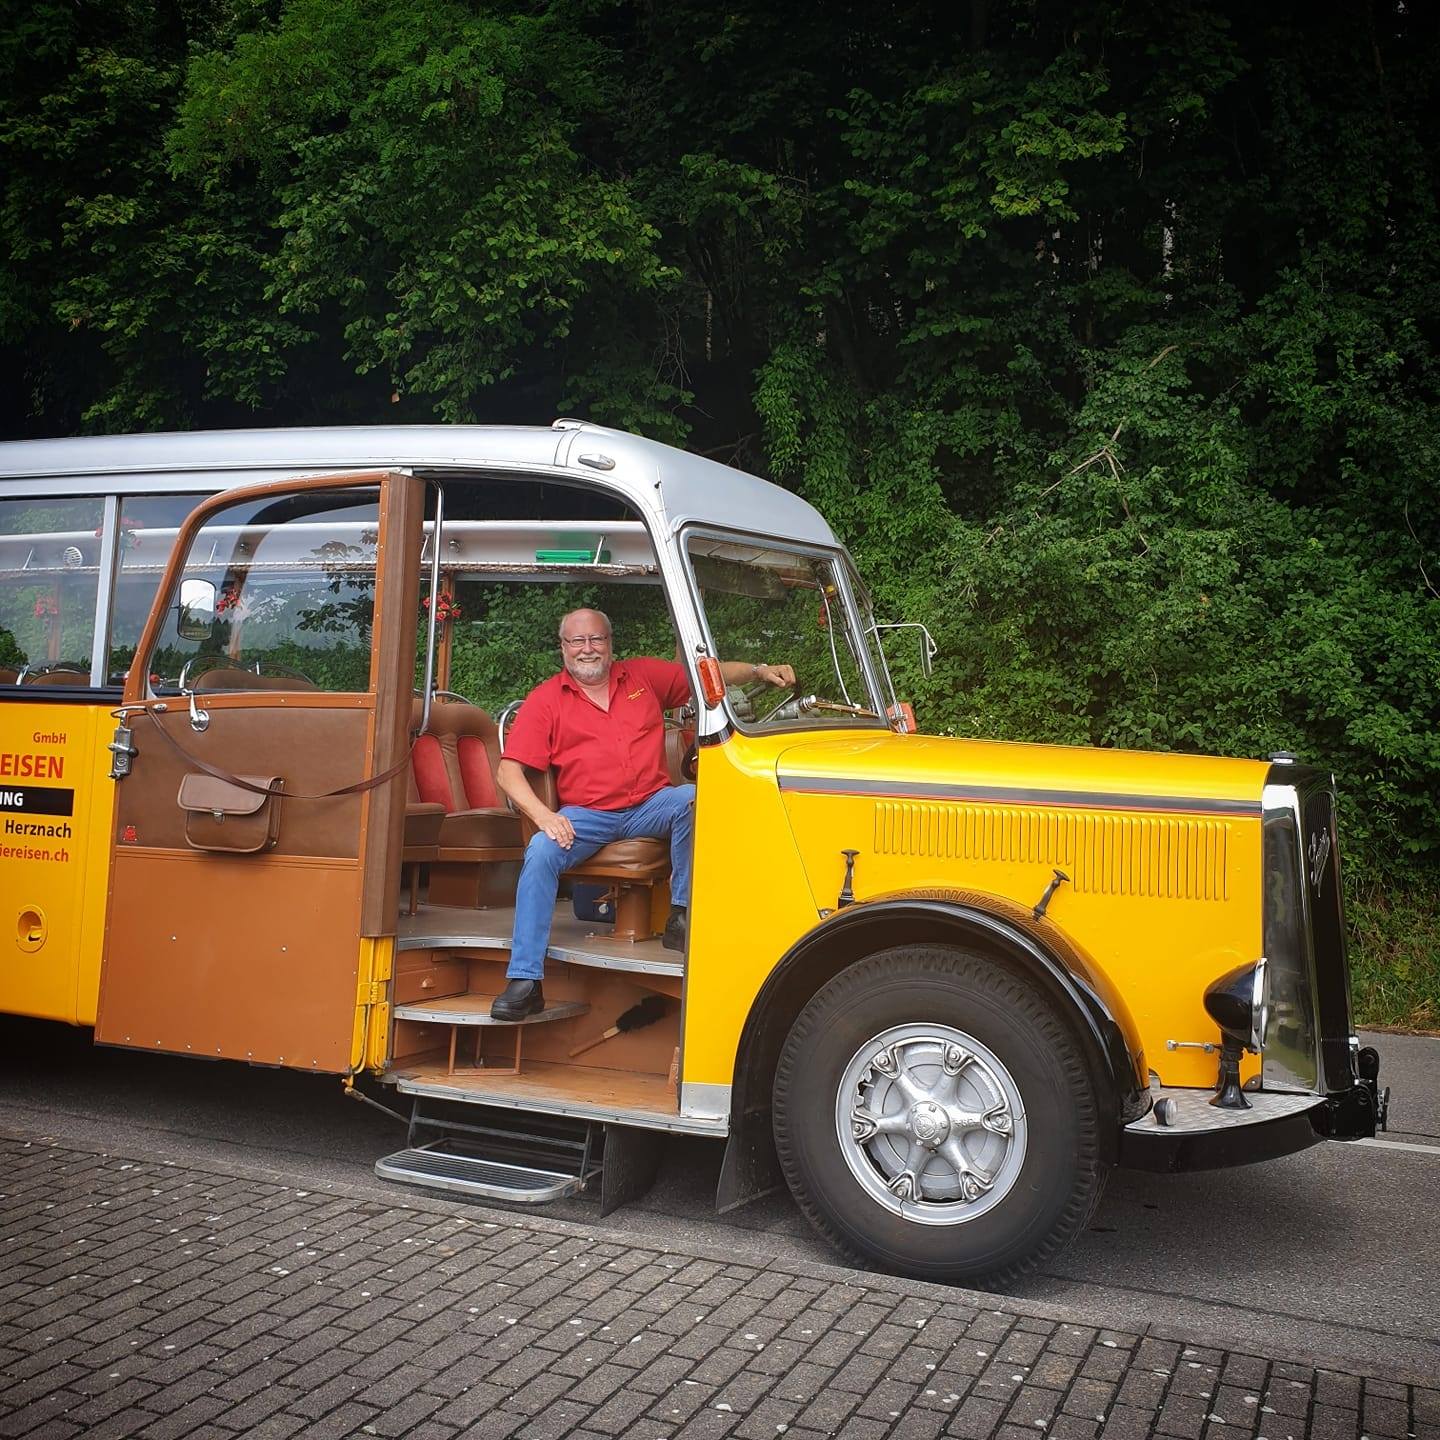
<point x="219" y="774"/>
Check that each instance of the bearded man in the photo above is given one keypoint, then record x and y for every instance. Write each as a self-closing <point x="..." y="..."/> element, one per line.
<point x="601" y="724"/>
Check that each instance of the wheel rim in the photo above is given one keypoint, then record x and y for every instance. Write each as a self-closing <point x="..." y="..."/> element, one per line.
<point x="931" y="1123"/>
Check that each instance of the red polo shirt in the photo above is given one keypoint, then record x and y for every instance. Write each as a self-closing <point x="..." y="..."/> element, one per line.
<point x="604" y="759"/>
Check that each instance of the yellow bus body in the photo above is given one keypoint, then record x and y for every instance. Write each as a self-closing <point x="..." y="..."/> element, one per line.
<point x="54" y="867"/>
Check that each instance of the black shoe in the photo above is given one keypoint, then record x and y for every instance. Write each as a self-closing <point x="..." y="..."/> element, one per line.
<point x="674" y="936"/>
<point x="517" y="1000"/>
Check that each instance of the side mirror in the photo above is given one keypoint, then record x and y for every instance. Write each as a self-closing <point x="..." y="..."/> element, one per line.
<point x="928" y="648"/>
<point x="195" y="619"/>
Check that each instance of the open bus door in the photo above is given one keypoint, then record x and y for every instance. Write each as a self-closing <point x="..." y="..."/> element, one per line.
<point x="252" y="888"/>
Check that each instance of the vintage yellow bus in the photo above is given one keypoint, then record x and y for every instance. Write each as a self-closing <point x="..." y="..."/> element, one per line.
<point x="253" y="689"/>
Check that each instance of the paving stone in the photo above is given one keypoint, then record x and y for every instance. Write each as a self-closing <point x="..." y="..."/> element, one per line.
<point x="401" y="1419"/>
<point x="1074" y="1427"/>
<point x="1384" y="1414"/>
<point x="1093" y="1398"/>
<point x="1183" y="1415"/>
<point x="764" y="1422"/>
<point x="347" y="1420"/>
<point x="976" y="1419"/>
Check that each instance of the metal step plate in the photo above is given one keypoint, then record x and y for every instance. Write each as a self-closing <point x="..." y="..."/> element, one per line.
<point x="438" y="1169"/>
<point x="1194" y="1114"/>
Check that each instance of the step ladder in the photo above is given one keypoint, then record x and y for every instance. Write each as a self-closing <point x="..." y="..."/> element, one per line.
<point x="522" y="1160"/>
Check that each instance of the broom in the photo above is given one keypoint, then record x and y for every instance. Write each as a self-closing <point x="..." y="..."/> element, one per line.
<point x="647" y="1012"/>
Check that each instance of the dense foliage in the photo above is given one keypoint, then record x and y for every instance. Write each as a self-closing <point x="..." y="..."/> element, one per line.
<point x="1104" y="332"/>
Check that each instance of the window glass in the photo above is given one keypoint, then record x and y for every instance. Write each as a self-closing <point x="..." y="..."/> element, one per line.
<point x="148" y="527"/>
<point x="504" y="634"/>
<point x="277" y="593"/>
<point x="774" y="606"/>
<point x="49" y="551"/>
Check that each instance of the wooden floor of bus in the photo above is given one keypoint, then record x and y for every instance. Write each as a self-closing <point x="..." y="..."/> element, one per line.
<point x="557" y="1089"/>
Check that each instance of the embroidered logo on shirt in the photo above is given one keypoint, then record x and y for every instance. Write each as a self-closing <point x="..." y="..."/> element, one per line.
<point x="636" y="694"/>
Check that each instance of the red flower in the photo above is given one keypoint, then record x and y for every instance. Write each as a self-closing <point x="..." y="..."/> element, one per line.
<point x="446" y="609"/>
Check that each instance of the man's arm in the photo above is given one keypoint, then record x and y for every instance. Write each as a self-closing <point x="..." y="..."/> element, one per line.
<point x="742" y="672"/>
<point x="511" y="778"/>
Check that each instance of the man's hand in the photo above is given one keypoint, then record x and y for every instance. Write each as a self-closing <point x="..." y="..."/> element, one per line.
<point x="511" y="778"/>
<point x="780" y="676"/>
<point x="557" y="827"/>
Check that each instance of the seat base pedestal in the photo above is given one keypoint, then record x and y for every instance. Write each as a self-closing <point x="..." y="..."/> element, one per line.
<point x="473" y="886"/>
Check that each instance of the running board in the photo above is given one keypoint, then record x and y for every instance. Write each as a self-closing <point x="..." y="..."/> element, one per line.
<point x="437" y="1166"/>
<point x="544" y="1161"/>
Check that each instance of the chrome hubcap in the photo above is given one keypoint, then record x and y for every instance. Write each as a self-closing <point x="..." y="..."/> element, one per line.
<point x="931" y="1123"/>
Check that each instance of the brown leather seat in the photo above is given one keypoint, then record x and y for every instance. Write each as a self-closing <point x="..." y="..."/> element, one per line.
<point x="453" y="765"/>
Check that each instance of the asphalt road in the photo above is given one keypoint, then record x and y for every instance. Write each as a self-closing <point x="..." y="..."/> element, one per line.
<point x="1331" y="1256"/>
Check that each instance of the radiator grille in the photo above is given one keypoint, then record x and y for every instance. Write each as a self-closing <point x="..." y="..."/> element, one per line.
<point x="1162" y="857"/>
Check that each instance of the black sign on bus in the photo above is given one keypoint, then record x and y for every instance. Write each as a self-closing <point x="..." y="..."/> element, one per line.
<point x="37" y="800"/>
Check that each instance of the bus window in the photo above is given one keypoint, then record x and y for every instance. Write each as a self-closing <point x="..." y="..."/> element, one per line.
<point x="48" y="586"/>
<point x="767" y="603"/>
<point x="277" y="593"/>
<point x="148" y="525"/>
<point x="503" y="636"/>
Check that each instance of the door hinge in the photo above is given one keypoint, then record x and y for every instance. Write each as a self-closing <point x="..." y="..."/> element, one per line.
<point x="372" y="992"/>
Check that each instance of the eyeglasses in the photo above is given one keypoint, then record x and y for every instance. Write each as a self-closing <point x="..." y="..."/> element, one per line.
<point x="578" y="642"/>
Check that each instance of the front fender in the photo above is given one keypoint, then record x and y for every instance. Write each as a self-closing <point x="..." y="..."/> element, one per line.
<point x="1037" y="949"/>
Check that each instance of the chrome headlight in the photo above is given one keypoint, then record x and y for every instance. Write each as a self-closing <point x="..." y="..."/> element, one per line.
<point x="1260" y="1005"/>
<point x="1239" y="1003"/>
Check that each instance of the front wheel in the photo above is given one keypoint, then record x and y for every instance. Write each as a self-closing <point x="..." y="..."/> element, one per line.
<point x="934" y="1116"/>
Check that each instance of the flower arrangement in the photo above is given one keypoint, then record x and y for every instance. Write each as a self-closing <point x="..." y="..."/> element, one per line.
<point x="446" y="609"/>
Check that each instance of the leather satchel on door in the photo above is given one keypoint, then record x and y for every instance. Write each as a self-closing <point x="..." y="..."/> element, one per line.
<point x="228" y="818"/>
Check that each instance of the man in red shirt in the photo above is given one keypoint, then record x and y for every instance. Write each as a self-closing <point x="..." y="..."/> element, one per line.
<point x="600" y="723"/>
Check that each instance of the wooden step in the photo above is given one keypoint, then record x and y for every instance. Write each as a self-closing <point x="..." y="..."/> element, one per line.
<point x="572" y="941"/>
<point x="475" y="1010"/>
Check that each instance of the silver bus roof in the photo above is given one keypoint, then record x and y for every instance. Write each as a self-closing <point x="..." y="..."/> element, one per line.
<point x="665" y="486"/>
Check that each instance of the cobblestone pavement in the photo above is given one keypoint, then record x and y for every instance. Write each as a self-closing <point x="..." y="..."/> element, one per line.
<point x="150" y="1299"/>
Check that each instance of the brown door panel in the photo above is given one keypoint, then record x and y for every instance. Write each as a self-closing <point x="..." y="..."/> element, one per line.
<point x="241" y="957"/>
<point x="312" y="750"/>
<point x="256" y="955"/>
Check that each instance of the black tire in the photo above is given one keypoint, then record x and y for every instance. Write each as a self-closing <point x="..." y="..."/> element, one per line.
<point x="1050" y="1174"/>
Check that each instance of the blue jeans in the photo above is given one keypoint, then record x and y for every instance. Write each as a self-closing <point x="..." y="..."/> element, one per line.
<point x="670" y="811"/>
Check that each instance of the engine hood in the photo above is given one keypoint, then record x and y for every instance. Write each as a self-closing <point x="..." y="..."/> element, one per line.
<point x="925" y="767"/>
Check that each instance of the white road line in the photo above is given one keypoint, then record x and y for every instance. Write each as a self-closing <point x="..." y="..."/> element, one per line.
<point x="1400" y="1145"/>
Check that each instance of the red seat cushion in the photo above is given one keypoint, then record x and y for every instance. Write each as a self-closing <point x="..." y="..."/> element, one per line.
<point x="480" y="792"/>
<point x="432" y="779"/>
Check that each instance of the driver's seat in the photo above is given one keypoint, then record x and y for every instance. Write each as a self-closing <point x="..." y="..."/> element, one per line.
<point x="638" y="870"/>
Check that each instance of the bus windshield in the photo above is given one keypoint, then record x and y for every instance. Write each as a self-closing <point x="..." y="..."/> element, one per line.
<point x="776" y="605"/>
